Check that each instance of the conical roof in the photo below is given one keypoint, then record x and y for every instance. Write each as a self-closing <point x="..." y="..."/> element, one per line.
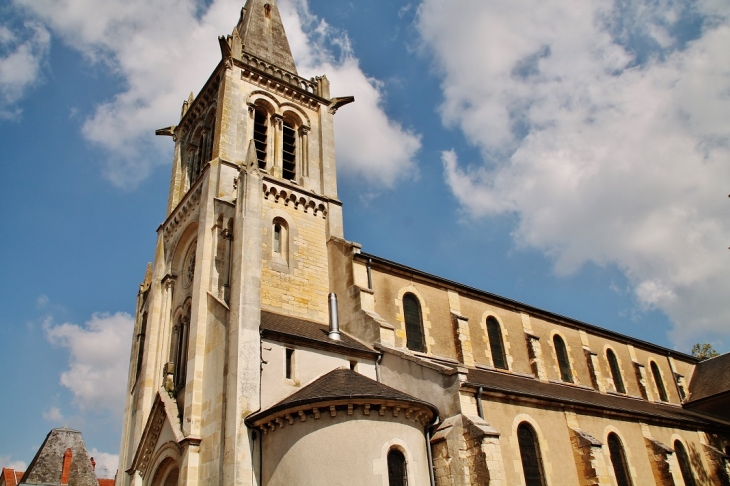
<point x="262" y="34"/>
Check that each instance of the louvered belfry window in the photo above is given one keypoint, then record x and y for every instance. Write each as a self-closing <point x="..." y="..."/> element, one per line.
<point x="260" y="136"/>
<point x="289" y="158"/>
<point x="496" y="345"/>
<point x="397" y="475"/>
<point x="414" y="323"/>
<point x="563" y="362"/>
<point x="618" y="459"/>
<point x="618" y="382"/>
<point x="530" y="455"/>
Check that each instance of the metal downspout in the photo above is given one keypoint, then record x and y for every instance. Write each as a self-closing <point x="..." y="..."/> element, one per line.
<point x="370" y="276"/>
<point x="428" y="450"/>
<point x="480" y="410"/>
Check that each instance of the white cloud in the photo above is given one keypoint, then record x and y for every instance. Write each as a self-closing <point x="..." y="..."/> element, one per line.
<point x="106" y="464"/>
<point x="23" y="49"/>
<point x="606" y="151"/>
<point x="162" y="50"/>
<point x="9" y="463"/>
<point x="98" y="360"/>
<point x="54" y="415"/>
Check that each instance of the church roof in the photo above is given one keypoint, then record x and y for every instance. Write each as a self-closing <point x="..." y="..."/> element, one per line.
<point x="711" y="377"/>
<point x="262" y="34"/>
<point x="337" y="385"/>
<point x="312" y="334"/>
<point x="515" y="385"/>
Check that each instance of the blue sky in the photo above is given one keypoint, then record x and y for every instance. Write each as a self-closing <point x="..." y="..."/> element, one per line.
<point x="571" y="155"/>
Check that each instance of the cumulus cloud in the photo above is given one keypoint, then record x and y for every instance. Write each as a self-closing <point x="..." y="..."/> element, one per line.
<point x="162" y="50"/>
<point x="54" y="415"/>
<point x="23" y="49"/>
<point x="604" y="128"/>
<point x="106" y="464"/>
<point x="98" y="361"/>
<point x="8" y="462"/>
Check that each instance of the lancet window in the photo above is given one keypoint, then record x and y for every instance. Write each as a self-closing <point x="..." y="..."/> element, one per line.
<point x="684" y="465"/>
<point x="496" y="344"/>
<point x="618" y="460"/>
<point x="561" y="352"/>
<point x="530" y="455"/>
<point x="414" y="323"/>
<point x="659" y="382"/>
<point x="397" y="473"/>
<point x="618" y="382"/>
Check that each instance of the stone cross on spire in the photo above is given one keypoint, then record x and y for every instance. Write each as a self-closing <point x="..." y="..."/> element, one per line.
<point x="261" y="34"/>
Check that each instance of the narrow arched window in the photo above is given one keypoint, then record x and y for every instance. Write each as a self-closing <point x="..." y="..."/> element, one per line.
<point x="397" y="474"/>
<point x="181" y="353"/>
<point x="618" y="459"/>
<point x="659" y="382"/>
<point x="260" y="136"/>
<point x="618" y="382"/>
<point x="496" y="345"/>
<point x="684" y="465"/>
<point x="563" y="362"/>
<point x="530" y="455"/>
<point x="277" y="238"/>
<point x="289" y="156"/>
<point x="414" y="323"/>
<point x="280" y="239"/>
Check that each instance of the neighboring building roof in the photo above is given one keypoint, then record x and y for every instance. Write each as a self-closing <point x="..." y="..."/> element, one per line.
<point x="519" y="306"/>
<point x="515" y="385"/>
<point x="47" y="465"/>
<point x="299" y="331"/>
<point x="10" y="477"/>
<point x="340" y="384"/>
<point x="106" y="482"/>
<point x="711" y="377"/>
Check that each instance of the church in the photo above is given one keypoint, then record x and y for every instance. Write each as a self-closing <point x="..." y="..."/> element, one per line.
<point x="269" y="350"/>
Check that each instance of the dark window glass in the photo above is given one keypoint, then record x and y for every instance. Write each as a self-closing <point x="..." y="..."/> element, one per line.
<point x="615" y="371"/>
<point x="684" y="465"/>
<point x="397" y="475"/>
<point x="414" y="324"/>
<point x="260" y="136"/>
<point x="140" y="344"/>
<point x="181" y="361"/>
<point x="495" y="343"/>
<point x="530" y="455"/>
<point x="289" y="165"/>
<point x="561" y="351"/>
<point x="277" y="238"/>
<point x="288" y="369"/>
<point x="659" y="382"/>
<point x="618" y="459"/>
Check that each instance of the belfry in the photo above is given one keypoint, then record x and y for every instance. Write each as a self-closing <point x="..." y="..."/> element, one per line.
<point x="269" y="350"/>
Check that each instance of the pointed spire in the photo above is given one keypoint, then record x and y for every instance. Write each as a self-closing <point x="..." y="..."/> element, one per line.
<point x="262" y="34"/>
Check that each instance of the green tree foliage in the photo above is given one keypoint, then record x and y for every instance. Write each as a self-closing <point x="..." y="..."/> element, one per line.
<point x="704" y="351"/>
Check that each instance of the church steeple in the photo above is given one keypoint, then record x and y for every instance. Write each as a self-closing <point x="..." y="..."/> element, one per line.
<point x="262" y="34"/>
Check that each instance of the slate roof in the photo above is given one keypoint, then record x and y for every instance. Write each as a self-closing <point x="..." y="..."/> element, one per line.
<point x="515" y="385"/>
<point x="46" y="466"/>
<point x="106" y="482"/>
<point x="300" y="331"/>
<point x="711" y="377"/>
<point x="340" y="384"/>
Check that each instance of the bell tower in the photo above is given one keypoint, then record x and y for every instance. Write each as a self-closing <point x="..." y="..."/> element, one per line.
<point x="252" y="204"/>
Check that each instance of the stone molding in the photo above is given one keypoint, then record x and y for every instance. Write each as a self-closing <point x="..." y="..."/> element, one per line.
<point x="298" y="199"/>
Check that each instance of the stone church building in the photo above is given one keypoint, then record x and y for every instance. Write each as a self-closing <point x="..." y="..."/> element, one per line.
<point x="271" y="351"/>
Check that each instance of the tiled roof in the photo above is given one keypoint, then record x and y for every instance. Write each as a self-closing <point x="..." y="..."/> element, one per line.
<point x="515" y="385"/>
<point x="106" y="482"/>
<point x="285" y="328"/>
<point x="711" y="377"/>
<point x="340" y="384"/>
<point x="11" y="476"/>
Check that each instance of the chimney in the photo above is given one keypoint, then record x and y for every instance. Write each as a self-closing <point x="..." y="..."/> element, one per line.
<point x="334" y="333"/>
<point x="66" y="470"/>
